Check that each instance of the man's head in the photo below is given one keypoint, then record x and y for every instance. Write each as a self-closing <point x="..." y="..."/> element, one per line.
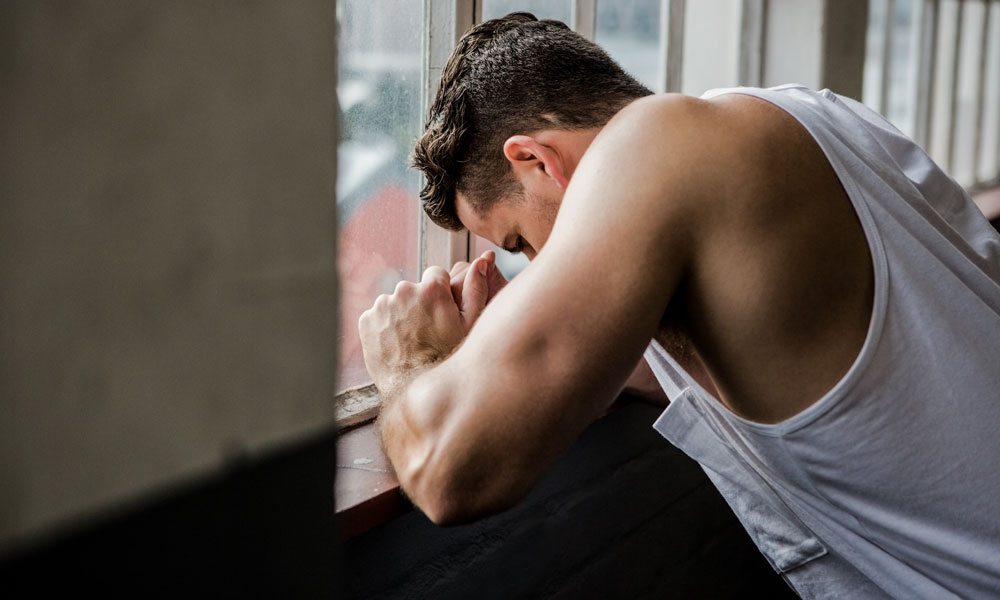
<point x="519" y="102"/>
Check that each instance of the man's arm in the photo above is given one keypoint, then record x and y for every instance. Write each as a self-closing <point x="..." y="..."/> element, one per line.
<point x="471" y="434"/>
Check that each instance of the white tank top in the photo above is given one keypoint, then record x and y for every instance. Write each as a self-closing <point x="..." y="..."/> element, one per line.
<point x="889" y="485"/>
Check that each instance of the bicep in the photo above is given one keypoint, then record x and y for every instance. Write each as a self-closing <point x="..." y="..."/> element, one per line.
<point x="550" y="354"/>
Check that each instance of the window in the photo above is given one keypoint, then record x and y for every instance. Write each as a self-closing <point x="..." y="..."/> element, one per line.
<point x="379" y="87"/>
<point x="559" y="10"/>
<point x="968" y="91"/>
<point x="989" y="155"/>
<point x="932" y="68"/>
<point x="891" y="42"/>
<point x="711" y="45"/>
<point x="630" y="33"/>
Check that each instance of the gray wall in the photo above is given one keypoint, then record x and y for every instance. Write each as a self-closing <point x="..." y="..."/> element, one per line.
<point x="167" y="293"/>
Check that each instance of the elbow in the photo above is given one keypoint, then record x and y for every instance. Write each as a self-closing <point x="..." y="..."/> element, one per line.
<point x="449" y="468"/>
<point x="456" y="492"/>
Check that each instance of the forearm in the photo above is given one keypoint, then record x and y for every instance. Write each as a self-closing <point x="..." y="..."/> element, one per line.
<point x="417" y="426"/>
<point x="456" y="458"/>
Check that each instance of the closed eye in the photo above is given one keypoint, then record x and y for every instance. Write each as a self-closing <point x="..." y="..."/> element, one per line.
<point x="518" y="246"/>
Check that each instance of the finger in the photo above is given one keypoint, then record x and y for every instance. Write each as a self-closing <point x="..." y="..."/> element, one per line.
<point x="457" y="283"/>
<point x="458" y="268"/>
<point x="435" y="273"/>
<point x="495" y="280"/>
<point x="475" y="292"/>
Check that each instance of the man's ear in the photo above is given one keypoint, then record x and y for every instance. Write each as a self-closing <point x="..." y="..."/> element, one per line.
<point x="530" y="158"/>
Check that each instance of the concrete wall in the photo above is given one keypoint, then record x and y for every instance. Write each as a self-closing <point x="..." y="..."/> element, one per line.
<point x="167" y="293"/>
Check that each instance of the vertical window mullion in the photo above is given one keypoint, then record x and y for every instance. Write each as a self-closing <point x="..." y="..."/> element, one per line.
<point x="584" y="17"/>
<point x="752" y="22"/>
<point x="671" y="44"/>
<point x="926" y="66"/>
<point x="996" y="167"/>
<point x="444" y="23"/>
<point x="980" y="92"/>
<point x="953" y="90"/>
<point x="886" y="58"/>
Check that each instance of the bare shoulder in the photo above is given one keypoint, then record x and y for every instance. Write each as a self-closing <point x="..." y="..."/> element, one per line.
<point x="702" y="159"/>
<point x="667" y="147"/>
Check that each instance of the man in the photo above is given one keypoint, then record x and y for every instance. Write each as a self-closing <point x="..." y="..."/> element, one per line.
<point x="819" y="302"/>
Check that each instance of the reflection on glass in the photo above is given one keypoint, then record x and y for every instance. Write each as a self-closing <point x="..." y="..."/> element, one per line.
<point x="629" y="32"/>
<point x="543" y="9"/>
<point x="711" y="45"/>
<point x="379" y="94"/>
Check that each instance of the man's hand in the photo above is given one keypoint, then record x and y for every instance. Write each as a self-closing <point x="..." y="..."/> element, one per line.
<point x="420" y="324"/>
<point x="494" y="278"/>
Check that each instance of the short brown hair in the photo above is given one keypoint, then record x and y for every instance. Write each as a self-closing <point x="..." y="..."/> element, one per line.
<point x="507" y="76"/>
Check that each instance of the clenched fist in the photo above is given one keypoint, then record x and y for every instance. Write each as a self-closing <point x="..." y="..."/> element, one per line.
<point x="422" y="323"/>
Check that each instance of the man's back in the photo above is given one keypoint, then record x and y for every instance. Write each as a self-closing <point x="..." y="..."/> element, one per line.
<point x="886" y="484"/>
<point x="780" y="286"/>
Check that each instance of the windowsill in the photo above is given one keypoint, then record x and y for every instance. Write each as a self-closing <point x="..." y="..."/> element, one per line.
<point x="366" y="491"/>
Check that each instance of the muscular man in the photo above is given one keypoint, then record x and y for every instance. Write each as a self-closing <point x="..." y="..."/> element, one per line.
<point x="818" y="301"/>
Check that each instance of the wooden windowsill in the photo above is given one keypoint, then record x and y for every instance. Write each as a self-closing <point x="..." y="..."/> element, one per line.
<point x="366" y="490"/>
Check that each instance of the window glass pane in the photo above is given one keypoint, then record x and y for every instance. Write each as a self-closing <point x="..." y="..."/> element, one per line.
<point x="543" y="9"/>
<point x="630" y="32"/>
<point x="711" y="45"/>
<point x="989" y="154"/>
<point x="379" y="82"/>
<point x="968" y="81"/>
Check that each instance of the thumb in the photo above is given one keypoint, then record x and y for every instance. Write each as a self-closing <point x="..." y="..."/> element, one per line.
<point x="475" y="292"/>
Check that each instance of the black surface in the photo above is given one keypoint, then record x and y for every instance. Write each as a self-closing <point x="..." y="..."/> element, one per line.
<point x="263" y="528"/>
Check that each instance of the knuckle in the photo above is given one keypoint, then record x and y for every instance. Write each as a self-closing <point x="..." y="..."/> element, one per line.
<point x="404" y="288"/>
<point x="434" y="288"/>
<point x="435" y="272"/>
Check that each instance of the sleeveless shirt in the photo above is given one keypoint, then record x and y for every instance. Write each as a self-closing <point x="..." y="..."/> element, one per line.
<point x="889" y="484"/>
